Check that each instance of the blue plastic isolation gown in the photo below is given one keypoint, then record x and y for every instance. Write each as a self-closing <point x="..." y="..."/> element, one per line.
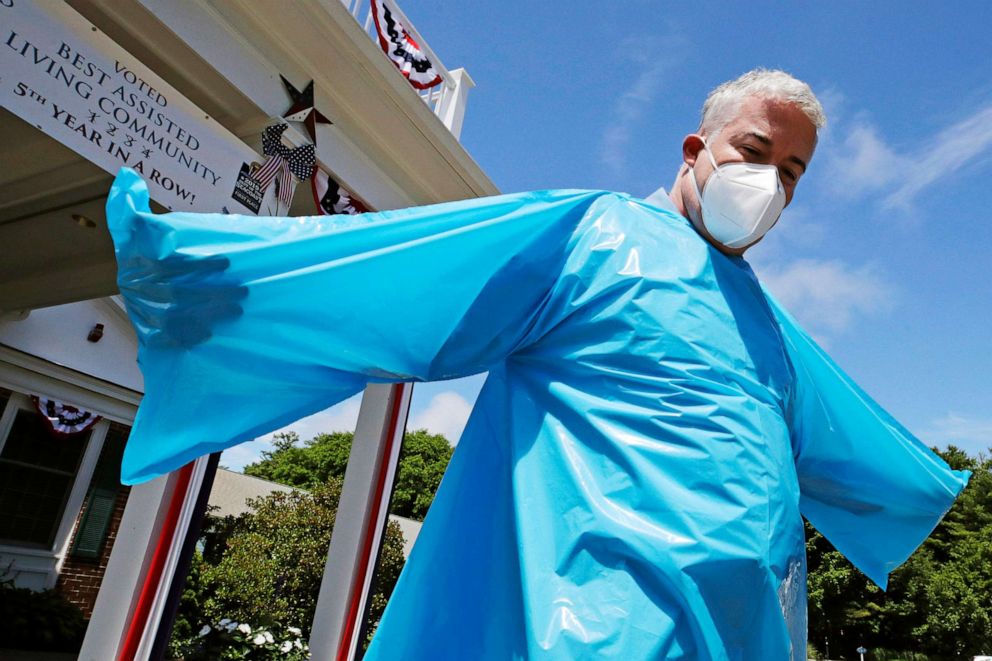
<point x="631" y="482"/>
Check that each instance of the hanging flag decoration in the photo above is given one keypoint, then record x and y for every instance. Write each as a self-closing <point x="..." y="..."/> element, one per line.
<point x="303" y="108"/>
<point x="289" y="163"/>
<point x="400" y="47"/>
<point x="331" y="198"/>
<point x="62" y="419"/>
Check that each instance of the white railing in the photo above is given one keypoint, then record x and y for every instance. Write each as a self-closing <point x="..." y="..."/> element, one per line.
<point x="447" y="100"/>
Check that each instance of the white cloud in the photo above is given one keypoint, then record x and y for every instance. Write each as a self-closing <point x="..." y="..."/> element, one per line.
<point x="446" y="414"/>
<point x="863" y="162"/>
<point x="943" y="155"/>
<point x="968" y="433"/>
<point x="340" y="417"/>
<point x="239" y="456"/>
<point x="827" y="295"/>
<point x="834" y="104"/>
<point x="859" y="161"/>
<point x="798" y="230"/>
<point x="655" y="58"/>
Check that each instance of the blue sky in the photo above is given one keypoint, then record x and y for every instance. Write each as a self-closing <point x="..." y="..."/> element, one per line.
<point x="884" y="253"/>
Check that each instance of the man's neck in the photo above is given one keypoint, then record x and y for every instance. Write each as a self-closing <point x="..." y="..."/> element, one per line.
<point x="675" y="197"/>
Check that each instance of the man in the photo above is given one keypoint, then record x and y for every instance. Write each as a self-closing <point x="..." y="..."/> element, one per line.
<point x="763" y="117"/>
<point x="631" y="481"/>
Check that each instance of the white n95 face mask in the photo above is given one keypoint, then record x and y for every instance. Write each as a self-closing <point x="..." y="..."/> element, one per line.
<point x="740" y="201"/>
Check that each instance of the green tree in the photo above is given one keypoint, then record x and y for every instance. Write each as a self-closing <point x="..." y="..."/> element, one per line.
<point x="423" y="460"/>
<point x="939" y="602"/>
<point x="843" y="605"/>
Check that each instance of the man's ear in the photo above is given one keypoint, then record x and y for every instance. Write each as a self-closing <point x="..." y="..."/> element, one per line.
<point x="691" y="146"/>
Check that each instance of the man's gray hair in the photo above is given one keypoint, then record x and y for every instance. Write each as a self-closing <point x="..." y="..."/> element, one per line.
<point x="724" y="102"/>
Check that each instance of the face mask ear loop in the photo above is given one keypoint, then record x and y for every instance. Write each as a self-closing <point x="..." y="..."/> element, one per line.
<point x="692" y="172"/>
<point x="709" y="154"/>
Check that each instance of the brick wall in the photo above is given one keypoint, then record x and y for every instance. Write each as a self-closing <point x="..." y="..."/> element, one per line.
<point x="80" y="578"/>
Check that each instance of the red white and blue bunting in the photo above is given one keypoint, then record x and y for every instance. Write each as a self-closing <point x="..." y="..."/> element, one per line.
<point x="400" y="47"/>
<point x="62" y="419"/>
<point x="332" y="198"/>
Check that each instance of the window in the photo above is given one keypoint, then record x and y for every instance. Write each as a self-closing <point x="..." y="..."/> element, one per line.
<point x="37" y="472"/>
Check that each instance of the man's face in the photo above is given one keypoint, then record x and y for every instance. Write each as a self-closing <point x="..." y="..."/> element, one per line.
<point x="764" y="131"/>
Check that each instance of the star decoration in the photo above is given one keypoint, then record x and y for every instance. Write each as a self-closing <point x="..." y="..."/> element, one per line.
<point x="303" y="109"/>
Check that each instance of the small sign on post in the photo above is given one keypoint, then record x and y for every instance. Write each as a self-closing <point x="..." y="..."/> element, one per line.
<point x="861" y="652"/>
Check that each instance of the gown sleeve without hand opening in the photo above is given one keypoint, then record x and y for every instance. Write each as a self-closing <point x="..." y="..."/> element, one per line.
<point x="872" y="488"/>
<point x="246" y="324"/>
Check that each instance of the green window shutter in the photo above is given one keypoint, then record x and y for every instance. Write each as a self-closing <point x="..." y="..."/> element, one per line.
<point x="96" y="521"/>
<point x="102" y="496"/>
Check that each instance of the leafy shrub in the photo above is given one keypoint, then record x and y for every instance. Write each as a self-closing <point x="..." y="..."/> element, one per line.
<point x="42" y="621"/>
<point x="890" y="655"/>
<point x="228" y="639"/>
<point x="264" y="568"/>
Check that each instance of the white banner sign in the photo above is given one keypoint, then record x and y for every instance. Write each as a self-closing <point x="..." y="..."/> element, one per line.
<point x="68" y="79"/>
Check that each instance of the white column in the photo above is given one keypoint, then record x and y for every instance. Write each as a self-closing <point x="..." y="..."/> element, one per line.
<point x="129" y="560"/>
<point x="355" y="541"/>
<point x="452" y="111"/>
<point x="146" y="527"/>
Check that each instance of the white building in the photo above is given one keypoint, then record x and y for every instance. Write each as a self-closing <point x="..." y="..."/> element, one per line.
<point x="182" y="90"/>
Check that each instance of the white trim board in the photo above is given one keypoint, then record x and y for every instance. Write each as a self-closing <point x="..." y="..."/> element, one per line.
<point x="26" y="373"/>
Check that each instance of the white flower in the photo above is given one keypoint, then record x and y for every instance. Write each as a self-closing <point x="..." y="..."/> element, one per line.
<point x="205" y="630"/>
<point x="245" y="629"/>
<point x="224" y="622"/>
<point x="294" y="631"/>
<point x="268" y="637"/>
<point x="259" y="639"/>
<point x="286" y="647"/>
<point x="298" y="644"/>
